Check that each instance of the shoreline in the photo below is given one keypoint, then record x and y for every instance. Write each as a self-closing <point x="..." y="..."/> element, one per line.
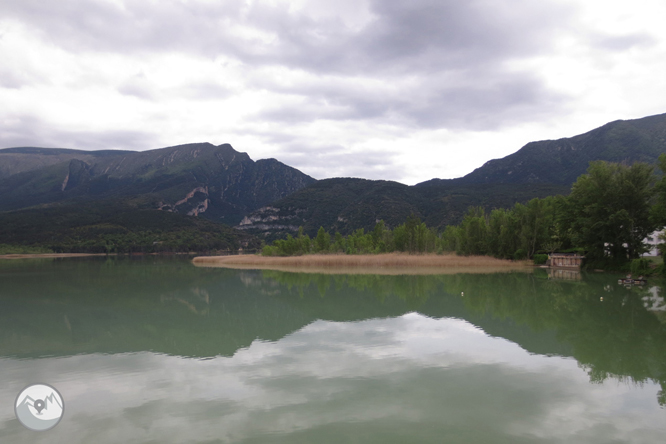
<point x="388" y="263"/>
<point x="47" y="255"/>
<point x="65" y="255"/>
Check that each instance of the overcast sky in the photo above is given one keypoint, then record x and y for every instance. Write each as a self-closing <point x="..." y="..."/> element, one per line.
<point x="380" y="89"/>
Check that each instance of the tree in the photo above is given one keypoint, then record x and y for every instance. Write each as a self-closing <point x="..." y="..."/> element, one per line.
<point x="451" y="238"/>
<point x="400" y="238"/>
<point x="379" y="237"/>
<point x="323" y="240"/>
<point x="502" y="233"/>
<point x="608" y="210"/>
<point x="412" y="229"/>
<point x="339" y="245"/>
<point x="659" y="209"/>
<point x="537" y="220"/>
<point x="473" y="232"/>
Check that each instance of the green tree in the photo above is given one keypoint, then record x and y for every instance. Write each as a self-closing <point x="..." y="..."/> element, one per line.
<point x="451" y="238"/>
<point x="322" y="241"/>
<point x="380" y="237"/>
<point x="339" y="244"/>
<point x="413" y="231"/>
<point x="400" y="238"/>
<point x="304" y="243"/>
<point x="608" y="211"/>
<point x="659" y="209"/>
<point x="502" y="228"/>
<point x="473" y="232"/>
<point x="537" y="224"/>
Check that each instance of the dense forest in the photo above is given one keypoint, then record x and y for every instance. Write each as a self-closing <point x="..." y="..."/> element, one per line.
<point x="112" y="227"/>
<point x="610" y="211"/>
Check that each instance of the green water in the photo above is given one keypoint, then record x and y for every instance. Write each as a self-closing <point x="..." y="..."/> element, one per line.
<point x="155" y="350"/>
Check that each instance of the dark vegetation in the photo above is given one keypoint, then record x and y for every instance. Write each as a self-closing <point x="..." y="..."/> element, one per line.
<point x="610" y="211"/>
<point x="214" y="182"/>
<point x="107" y="201"/>
<point x="346" y="205"/>
<point x="563" y="161"/>
<point x="539" y="169"/>
<point x="56" y="198"/>
<point x="112" y="227"/>
<point x="413" y="236"/>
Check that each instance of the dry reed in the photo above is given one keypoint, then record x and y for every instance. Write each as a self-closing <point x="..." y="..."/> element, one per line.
<point x="392" y="263"/>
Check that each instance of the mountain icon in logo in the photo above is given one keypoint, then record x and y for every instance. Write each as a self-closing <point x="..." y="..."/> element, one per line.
<point x="39" y="407"/>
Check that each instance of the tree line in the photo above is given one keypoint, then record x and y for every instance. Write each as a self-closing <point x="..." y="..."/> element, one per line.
<point x="607" y="215"/>
<point x="413" y="236"/>
<point x="107" y="228"/>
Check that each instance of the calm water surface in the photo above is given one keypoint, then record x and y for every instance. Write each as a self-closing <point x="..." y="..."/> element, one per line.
<point x="155" y="350"/>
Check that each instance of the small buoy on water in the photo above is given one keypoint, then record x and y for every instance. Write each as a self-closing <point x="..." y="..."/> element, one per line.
<point x="601" y="298"/>
<point x="462" y="293"/>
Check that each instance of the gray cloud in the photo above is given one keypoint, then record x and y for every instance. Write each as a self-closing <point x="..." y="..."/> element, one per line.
<point x="411" y="66"/>
<point x="138" y="86"/>
<point x="452" y="34"/>
<point x="82" y="25"/>
<point x="447" y="60"/>
<point x="403" y="36"/>
<point x="28" y="130"/>
<point x="485" y="101"/>
<point x="15" y="79"/>
<point x="322" y="161"/>
<point x="203" y="91"/>
<point x="455" y="53"/>
<point x="622" y="42"/>
<point x="141" y="87"/>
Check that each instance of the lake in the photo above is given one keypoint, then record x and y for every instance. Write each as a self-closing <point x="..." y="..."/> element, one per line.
<point x="156" y="350"/>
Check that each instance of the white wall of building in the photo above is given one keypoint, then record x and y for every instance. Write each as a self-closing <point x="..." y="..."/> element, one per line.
<point x="652" y="241"/>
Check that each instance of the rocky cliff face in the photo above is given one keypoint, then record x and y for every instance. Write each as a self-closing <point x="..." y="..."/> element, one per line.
<point x="345" y="205"/>
<point x="271" y="221"/>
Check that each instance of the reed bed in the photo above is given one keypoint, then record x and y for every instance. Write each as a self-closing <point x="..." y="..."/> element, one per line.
<point x="392" y="263"/>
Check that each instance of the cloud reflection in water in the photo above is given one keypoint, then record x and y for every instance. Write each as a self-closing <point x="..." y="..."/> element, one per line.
<point x="404" y="379"/>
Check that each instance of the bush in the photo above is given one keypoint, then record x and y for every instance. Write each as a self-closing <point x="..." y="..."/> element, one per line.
<point x="540" y="259"/>
<point x="23" y="249"/>
<point x="270" y="250"/>
<point x="640" y="266"/>
<point x="519" y="255"/>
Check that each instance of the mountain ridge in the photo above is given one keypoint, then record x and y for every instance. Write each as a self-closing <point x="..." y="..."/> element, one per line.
<point x="189" y="179"/>
<point x="270" y="199"/>
<point x="562" y="160"/>
<point x="538" y="169"/>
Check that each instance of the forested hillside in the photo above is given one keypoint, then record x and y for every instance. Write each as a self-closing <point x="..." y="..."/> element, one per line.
<point x="113" y="227"/>
<point x="269" y="199"/>
<point x="537" y="170"/>
<point x="215" y="182"/>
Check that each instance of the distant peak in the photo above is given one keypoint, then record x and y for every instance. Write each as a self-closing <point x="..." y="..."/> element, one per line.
<point x="194" y="145"/>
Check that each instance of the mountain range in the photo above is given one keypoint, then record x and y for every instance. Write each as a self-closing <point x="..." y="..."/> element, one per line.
<point x="538" y="169"/>
<point x="561" y="161"/>
<point x="187" y="179"/>
<point x="268" y="198"/>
